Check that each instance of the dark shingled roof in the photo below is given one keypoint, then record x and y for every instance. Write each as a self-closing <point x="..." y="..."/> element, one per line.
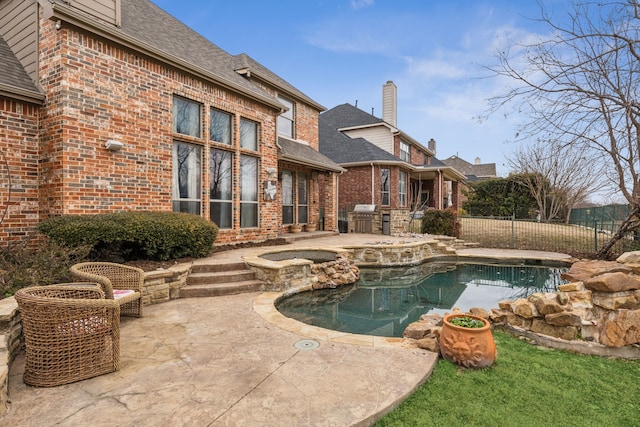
<point x="146" y="22"/>
<point x="12" y="73"/>
<point x="343" y="150"/>
<point x="244" y="61"/>
<point x="346" y="115"/>
<point x="479" y="170"/>
<point x="300" y="153"/>
<point x="436" y="162"/>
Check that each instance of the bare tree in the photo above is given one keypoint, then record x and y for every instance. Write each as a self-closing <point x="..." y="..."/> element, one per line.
<point x="580" y="88"/>
<point x="557" y="176"/>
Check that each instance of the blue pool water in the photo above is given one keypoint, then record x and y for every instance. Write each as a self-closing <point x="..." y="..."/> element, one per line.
<point x="386" y="300"/>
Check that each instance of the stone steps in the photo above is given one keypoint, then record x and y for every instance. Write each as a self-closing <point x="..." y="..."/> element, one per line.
<point x="211" y="280"/>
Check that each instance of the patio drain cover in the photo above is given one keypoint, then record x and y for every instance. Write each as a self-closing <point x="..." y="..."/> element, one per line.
<point x="306" y="345"/>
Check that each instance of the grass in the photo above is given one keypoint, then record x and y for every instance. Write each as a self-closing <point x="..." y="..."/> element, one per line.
<point x="531" y="235"/>
<point x="526" y="386"/>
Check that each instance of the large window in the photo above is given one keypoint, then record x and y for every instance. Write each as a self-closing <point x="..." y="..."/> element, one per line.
<point x="187" y="178"/>
<point x="221" y="188"/>
<point x="286" y="120"/>
<point x="384" y="187"/>
<point x="248" y="134"/>
<point x="402" y="189"/>
<point x="287" y="197"/>
<point x="186" y="117"/>
<point x="248" y="191"/>
<point x="220" y="129"/>
<point x="303" y="198"/>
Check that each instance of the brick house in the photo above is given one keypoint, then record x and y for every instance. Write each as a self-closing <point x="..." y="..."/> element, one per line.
<point x="476" y="171"/>
<point x="115" y="105"/>
<point x="385" y="166"/>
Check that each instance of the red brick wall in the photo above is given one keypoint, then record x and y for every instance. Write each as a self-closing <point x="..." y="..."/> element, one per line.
<point x="19" y="210"/>
<point x="98" y="91"/>
<point x="327" y="193"/>
<point x="354" y="187"/>
<point x="307" y="124"/>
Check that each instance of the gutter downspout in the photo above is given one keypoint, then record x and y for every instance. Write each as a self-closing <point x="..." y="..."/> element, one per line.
<point x="337" y="208"/>
<point x="439" y="204"/>
<point x="373" y="182"/>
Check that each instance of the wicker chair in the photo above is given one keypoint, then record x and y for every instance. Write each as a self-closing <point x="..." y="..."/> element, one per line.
<point x="71" y="333"/>
<point x="122" y="283"/>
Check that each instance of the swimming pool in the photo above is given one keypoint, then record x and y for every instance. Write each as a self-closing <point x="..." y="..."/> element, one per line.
<point x="386" y="300"/>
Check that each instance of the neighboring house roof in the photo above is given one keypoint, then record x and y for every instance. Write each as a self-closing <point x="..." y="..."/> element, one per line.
<point x="349" y="151"/>
<point x="14" y="80"/>
<point x="296" y="152"/>
<point x="480" y="170"/>
<point x="347" y="116"/>
<point x="246" y="65"/>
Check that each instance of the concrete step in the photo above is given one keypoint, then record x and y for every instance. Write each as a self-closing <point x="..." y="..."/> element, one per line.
<point x="217" y="267"/>
<point x="231" y="276"/>
<point x="220" y="289"/>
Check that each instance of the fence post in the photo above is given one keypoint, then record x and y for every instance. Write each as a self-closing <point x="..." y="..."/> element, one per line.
<point x="513" y="232"/>
<point x="595" y="235"/>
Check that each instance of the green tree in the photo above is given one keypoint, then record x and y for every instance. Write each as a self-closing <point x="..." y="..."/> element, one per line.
<point x="500" y="197"/>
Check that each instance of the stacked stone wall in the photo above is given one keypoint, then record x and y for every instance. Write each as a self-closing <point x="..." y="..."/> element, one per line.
<point x="601" y="304"/>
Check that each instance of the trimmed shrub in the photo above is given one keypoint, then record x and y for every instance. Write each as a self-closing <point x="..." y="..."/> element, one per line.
<point x="125" y="236"/>
<point x="42" y="262"/>
<point x="440" y="222"/>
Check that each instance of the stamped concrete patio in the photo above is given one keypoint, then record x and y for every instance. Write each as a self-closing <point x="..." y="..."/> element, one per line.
<point x="233" y="361"/>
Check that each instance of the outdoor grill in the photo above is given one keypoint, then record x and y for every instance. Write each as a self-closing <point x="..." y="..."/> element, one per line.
<point x="363" y="218"/>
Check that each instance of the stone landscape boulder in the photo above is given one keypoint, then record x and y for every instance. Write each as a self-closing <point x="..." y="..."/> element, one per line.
<point x="601" y="304"/>
<point x="333" y="274"/>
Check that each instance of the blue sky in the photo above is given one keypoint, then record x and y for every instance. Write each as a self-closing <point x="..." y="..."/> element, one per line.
<point x="343" y="51"/>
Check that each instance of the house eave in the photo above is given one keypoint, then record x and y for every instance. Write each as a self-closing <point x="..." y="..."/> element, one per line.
<point x="59" y="11"/>
<point x="447" y="170"/>
<point x="20" y="94"/>
<point x="381" y="124"/>
<point x="309" y="163"/>
<point x="400" y="164"/>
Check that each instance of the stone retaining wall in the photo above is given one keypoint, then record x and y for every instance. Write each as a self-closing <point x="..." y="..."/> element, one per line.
<point x="398" y="254"/>
<point x="601" y="305"/>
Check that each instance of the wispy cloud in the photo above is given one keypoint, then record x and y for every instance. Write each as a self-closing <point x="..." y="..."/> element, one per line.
<point x="361" y="4"/>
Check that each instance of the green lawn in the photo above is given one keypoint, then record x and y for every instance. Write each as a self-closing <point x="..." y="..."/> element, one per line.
<point x="526" y="386"/>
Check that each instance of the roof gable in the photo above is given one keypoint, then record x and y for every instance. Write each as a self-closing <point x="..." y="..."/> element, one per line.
<point x="346" y="116"/>
<point x="342" y="149"/>
<point x="246" y="65"/>
<point x="13" y="77"/>
<point x="148" y="23"/>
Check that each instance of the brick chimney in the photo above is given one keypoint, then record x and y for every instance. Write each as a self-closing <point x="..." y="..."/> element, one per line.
<point x="390" y="103"/>
<point x="432" y="145"/>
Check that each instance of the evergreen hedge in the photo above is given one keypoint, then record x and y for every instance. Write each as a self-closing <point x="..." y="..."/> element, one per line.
<point x="440" y="222"/>
<point x="125" y="236"/>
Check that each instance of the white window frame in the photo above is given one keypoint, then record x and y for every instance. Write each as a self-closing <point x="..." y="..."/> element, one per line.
<point x="249" y="192"/>
<point x="385" y="187"/>
<point x="402" y="188"/>
<point x="286" y="121"/>
<point x="405" y="152"/>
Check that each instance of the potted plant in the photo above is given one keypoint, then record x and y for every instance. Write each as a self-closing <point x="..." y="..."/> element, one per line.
<point x="310" y="226"/>
<point x="295" y="228"/>
<point x="467" y="340"/>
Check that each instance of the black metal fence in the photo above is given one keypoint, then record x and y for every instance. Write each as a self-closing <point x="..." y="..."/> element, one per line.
<point x="575" y="240"/>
